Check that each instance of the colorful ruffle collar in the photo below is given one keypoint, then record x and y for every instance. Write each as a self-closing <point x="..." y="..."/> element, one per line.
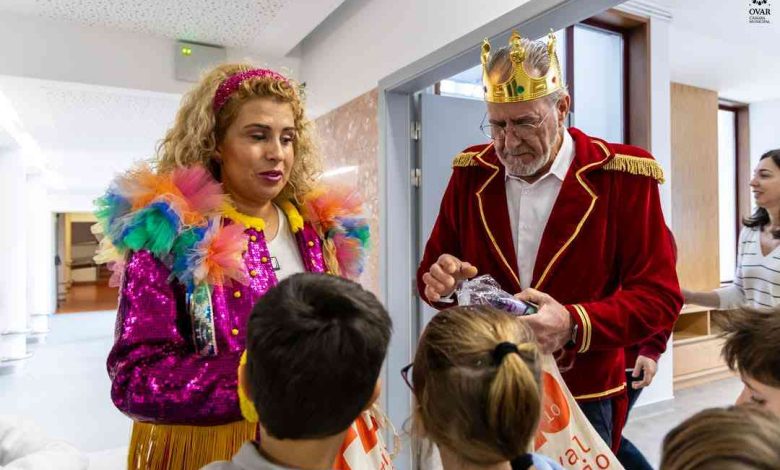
<point x="178" y="215"/>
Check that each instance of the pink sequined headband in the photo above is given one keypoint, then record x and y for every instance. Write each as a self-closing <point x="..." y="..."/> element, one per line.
<point x="231" y="84"/>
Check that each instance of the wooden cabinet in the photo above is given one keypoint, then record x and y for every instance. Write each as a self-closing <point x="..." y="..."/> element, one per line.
<point x="697" y="348"/>
<point x="694" y="135"/>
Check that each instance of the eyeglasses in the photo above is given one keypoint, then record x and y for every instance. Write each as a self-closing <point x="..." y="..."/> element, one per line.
<point x="405" y="375"/>
<point x="519" y="130"/>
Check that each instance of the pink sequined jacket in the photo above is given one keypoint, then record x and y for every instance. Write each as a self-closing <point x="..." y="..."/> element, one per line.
<point x="156" y="373"/>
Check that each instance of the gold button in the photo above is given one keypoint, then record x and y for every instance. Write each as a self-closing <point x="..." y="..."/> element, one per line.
<point x="237" y="294"/>
<point x="263" y="259"/>
<point x="253" y="238"/>
<point x="234" y="331"/>
<point x="311" y="243"/>
<point x="253" y="273"/>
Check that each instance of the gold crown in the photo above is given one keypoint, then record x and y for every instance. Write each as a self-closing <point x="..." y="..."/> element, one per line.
<point x="521" y="86"/>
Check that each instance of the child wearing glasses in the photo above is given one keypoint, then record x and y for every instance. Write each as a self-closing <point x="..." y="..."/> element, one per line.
<point x="478" y="397"/>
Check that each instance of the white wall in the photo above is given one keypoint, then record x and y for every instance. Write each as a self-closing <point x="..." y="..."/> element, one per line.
<point x="764" y="129"/>
<point x="13" y="257"/>
<point x="53" y="50"/>
<point x="661" y="108"/>
<point x="363" y="41"/>
<point x="662" y="387"/>
<point x="67" y="52"/>
<point x="75" y="201"/>
<point x="40" y="251"/>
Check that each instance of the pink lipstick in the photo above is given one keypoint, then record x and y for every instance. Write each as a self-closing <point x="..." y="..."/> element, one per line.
<point x="273" y="176"/>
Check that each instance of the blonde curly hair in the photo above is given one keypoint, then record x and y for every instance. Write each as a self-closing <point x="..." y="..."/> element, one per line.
<point x="197" y="131"/>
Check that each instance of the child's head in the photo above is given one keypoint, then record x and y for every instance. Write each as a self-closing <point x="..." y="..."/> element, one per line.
<point x="736" y="438"/>
<point x="476" y="380"/>
<point x="753" y="348"/>
<point x="315" y="347"/>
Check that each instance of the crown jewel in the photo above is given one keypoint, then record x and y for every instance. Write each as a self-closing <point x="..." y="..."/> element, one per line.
<point x="521" y="86"/>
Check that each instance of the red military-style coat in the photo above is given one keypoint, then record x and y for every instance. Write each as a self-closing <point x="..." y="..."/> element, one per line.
<point x="605" y="252"/>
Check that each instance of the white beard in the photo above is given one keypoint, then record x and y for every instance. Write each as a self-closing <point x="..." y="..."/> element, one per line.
<point x="515" y="167"/>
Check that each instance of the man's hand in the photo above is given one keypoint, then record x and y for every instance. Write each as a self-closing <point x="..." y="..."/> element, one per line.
<point x="649" y="367"/>
<point x="552" y="324"/>
<point x="444" y="276"/>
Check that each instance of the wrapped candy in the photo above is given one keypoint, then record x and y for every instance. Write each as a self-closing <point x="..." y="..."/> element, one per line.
<point x="484" y="290"/>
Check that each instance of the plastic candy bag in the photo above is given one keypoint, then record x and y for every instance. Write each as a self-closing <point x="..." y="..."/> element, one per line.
<point x="484" y="290"/>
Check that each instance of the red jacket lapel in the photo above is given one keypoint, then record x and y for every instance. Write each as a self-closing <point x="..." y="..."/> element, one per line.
<point x="572" y="208"/>
<point x="494" y="214"/>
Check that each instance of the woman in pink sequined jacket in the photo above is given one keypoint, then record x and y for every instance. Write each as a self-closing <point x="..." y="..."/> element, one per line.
<point x="229" y="208"/>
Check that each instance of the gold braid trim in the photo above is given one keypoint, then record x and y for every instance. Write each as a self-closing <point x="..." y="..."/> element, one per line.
<point x="465" y="159"/>
<point x="636" y="166"/>
<point x="182" y="447"/>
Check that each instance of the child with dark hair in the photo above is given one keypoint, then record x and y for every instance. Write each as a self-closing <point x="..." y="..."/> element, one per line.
<point x="315" y="348"/>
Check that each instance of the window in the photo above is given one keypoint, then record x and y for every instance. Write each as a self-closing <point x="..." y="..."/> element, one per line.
<point x="727" y="192"/>
<point x="598" y="93"/>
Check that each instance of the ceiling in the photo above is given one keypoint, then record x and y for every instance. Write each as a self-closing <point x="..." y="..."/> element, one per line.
<point x="97" y="131"/>
<point x="88" y="133"/>
<point x="722" y="51"/>
<point x="268" y="26"/>
<point x="713" y="45"/>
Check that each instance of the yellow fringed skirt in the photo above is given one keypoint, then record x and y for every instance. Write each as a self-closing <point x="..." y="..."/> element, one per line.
<point x="180" y="447"/>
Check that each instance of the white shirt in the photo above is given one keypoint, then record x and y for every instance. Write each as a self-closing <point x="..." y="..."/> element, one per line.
<point x="530" y="206"/>
<point x="757" y="278"/>
<point x="284" y="250"/>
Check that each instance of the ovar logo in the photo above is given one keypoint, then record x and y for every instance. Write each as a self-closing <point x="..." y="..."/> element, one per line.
<point x="759" y="11"/>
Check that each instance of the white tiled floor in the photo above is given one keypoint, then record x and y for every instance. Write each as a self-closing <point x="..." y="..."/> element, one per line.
<point x="64" y="388"/>
<point x="648" y="425"/>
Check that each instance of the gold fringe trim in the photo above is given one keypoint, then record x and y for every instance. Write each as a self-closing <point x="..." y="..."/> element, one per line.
<point x="179" y="447"/>
<point x="330" y="258"/>
<point x="636" y="166"/>
<point x="293" y="216"/>
<point x="464" y="159"/>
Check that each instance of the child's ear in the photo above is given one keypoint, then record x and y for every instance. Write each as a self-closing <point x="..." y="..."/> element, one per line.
<point x="375" y="395"/>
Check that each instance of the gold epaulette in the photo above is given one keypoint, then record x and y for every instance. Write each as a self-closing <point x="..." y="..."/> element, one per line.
<point x="636" y="166"/>
<point x="465" y="159"/>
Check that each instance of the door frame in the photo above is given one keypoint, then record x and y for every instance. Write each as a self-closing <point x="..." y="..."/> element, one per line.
<point x="396" y="155"/>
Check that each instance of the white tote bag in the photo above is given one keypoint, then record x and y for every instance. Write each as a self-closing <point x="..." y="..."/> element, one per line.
<point x="565" y="434"/>
<point x="364" y="447"/>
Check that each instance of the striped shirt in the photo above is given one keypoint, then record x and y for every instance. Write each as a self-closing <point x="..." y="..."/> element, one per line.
<point x="757" y="278"/>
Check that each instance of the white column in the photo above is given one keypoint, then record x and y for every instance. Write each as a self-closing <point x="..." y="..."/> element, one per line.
<point x="13" y="263"/>
<point x="660" y="18"/>
<point x="40" y="257"/>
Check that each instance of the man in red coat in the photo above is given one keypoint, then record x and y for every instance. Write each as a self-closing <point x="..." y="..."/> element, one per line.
<point x="568" y="221"/>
